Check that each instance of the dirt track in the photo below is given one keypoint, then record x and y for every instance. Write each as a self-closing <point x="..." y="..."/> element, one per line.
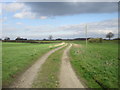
<point x="27" y="78"/>
<point x="68" y="79"/>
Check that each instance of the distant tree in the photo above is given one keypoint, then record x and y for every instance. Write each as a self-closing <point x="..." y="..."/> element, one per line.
<point x="44" y="39"/>
<point x="59" y="39"/>
<point x="19" y="38"/>
<point x="110" y="35"/>
<point x="25" y="39"/>
<point x="117" y="38"/>
<point x="50" y="37"/>
<point x="7" y="38"/>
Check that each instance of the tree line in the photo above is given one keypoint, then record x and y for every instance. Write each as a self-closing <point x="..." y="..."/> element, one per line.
<point x="50" y="37"/>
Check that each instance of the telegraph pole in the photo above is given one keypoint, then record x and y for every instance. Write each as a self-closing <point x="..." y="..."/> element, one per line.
<point x="86" y="34"/>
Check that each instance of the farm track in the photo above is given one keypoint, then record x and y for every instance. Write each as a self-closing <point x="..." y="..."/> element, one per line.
<point x="26" y="79"/>
<point x="68" y="78"/>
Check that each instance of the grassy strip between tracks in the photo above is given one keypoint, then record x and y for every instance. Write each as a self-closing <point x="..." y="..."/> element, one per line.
<point x="48" y="75"/>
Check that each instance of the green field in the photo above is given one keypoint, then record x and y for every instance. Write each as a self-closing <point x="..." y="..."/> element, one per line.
<point x="17" y="57"/>
<point x="96" y="65"/>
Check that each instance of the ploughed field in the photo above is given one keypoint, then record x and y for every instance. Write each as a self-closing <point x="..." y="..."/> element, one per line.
<point x="96" y="65"/>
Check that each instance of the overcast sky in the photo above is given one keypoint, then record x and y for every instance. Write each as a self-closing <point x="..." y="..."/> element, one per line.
<point x="38" y="20"/>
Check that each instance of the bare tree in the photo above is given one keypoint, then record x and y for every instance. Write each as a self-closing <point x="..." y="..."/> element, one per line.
<point x="110" y="35"/>
<point x="50" y="37"/>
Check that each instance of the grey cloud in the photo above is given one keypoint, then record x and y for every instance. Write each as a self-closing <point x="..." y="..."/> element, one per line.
<point x="69" y="8"/>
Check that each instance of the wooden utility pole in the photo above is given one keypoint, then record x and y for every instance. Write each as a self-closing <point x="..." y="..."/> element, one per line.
<point x="86" y="34"/>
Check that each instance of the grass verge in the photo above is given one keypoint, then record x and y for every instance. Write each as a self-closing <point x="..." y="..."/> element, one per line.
<point x="17" y="57"/>
<point x="97" y="64"/>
